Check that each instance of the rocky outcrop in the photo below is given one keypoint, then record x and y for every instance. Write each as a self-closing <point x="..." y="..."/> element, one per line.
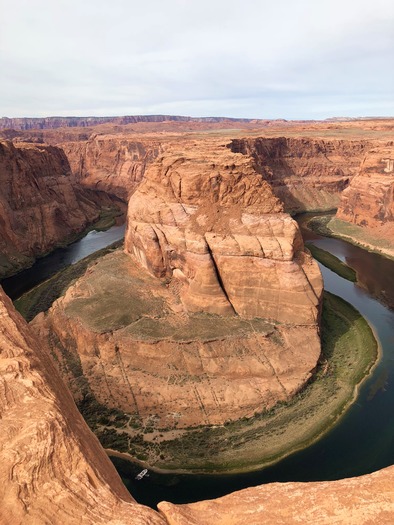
<point x="52" y="470"/>
<point x="365" y="500"/>
<point x="39" y="206"/>
<point x="124" y="337"/>
<point x="305" y="173"/>
<point x="204" y="218"/>
<point x="369" y="199"/>
<point x="111" y="163"/>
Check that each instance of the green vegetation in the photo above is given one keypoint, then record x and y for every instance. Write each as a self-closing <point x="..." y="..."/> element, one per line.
<point x="330" y="226"/>
<point x="40" y="298"/>
<point x="332" y="262"/>
<point x="349" y="350"/>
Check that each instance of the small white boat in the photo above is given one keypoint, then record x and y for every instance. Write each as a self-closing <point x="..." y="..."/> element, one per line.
<point x="142" y="474"/>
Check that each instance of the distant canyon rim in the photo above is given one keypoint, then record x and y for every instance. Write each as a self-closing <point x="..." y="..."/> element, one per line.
<point x="211" y="313"/>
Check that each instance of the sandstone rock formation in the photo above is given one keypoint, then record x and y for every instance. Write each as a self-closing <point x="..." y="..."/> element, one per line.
<point x="366" y="500"/>
<point x="196" y="340"/>
<point x="204" y="218"/>
<point x="64" y="122"/>
<point x="122" y="336"/>
<point x="306" y="174"/>
<point x="39" y="206"/>
<point x="53" y="470"/>
<point x="369" y="199"/>
<point x="111" y="163"/>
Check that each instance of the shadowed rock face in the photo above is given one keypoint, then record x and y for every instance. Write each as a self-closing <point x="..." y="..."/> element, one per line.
<point x="39" y="206"/>
<point x="369" y="199"/>
<point x="112" y="164"/>
<point x="306" y="174"/>
<point x="53" y="470"/>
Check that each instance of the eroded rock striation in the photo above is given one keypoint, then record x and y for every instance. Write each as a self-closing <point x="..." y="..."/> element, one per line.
<point x="52" y="470"/>
<point x="305" y="173"/>
<point x="112" y="164"/>
<point x="207" y="220"/>
<point x="369" y="199"/>
<point x="39" y="206"/>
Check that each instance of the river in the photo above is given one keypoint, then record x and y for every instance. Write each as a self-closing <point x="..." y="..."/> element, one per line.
<point x="363" y="440"/>
<point x="47" y="266"/>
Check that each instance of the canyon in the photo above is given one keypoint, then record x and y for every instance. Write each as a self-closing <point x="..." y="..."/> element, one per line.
<point x="40" y="207"/>
<point x="54" y="470"/>
<point x="219" y="300"/>
<point x="210" y="315"/>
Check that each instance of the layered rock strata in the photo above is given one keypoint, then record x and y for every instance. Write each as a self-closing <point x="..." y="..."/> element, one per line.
<point x="39" y="206"/>
<point x="109" y="163"/>
<point x="205" y="219"/>
<point x="52" y="470"/>
<point x="369" y="199"/>
<point x="124" y="337"/>
<point x="305" y="173"/>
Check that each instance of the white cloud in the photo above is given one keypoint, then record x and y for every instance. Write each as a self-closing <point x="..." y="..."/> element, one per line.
<point x="251" y="58"/>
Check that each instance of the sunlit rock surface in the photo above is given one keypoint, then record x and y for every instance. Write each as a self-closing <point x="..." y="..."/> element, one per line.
<point x="52" y="468"/>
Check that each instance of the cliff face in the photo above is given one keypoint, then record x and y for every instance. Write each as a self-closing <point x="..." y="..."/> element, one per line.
<point x="369" y="199"/>
<point x="39" y="206"/>
<point x="306" y="174"/>
<point x="204" y="218"/>
<point x="65" y="122"/>
<point x="52" y="470"/>
<point x="112" y="164"/>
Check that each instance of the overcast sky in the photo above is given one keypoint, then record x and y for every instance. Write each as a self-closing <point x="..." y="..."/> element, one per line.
<point x="292" y="59"/>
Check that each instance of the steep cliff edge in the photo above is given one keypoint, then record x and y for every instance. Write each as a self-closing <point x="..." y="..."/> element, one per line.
<point x="39" y="206"/>
<point x="305" y="173"/>
<point x="52" y="470"/>
<point x="114" y="164"/>
<point x="366" y="500"/>
<point x="369" y="199"/>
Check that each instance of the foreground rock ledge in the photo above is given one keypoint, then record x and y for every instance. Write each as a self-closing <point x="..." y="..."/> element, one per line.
<point x="52" y="468"/>
<point x="367" y="500"/>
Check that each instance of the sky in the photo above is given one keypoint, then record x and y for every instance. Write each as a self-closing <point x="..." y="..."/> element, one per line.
<point x="291" y="59"/>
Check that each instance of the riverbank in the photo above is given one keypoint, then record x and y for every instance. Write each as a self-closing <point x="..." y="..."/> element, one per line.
<point x="41" y="297"/>
<point x="333" y="263"/>
<point x="349" y="352"/>
<point x="330" y="226"/>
